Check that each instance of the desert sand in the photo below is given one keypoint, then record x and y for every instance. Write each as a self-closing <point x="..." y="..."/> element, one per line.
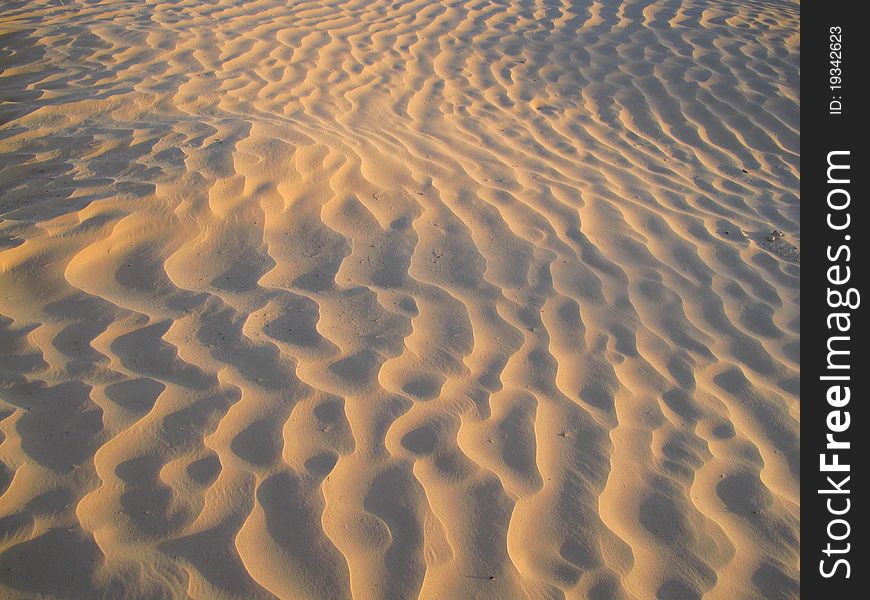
<point x="417" y="299"/>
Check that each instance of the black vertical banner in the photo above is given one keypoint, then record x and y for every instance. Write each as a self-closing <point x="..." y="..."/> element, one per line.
<point x="834" y="422"/>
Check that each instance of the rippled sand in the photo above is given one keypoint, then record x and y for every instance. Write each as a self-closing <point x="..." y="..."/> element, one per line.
<point x="438" y="299"/>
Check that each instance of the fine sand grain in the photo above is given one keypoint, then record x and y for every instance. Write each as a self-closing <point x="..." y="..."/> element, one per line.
<point x="431" y="298"/>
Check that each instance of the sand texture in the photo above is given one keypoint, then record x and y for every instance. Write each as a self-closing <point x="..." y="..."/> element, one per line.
<point x="389" y="300"/>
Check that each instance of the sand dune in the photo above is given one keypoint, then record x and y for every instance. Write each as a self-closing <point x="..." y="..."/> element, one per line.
<point x="424" y="298"/>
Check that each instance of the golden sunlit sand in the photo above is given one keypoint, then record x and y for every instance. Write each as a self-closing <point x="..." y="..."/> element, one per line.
<point x="427" y="298"/>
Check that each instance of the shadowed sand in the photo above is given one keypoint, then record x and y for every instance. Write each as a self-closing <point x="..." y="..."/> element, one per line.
<point x="424" y="298"/>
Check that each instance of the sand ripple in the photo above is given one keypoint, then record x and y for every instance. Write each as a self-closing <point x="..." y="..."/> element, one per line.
<point x="398" y="299"/>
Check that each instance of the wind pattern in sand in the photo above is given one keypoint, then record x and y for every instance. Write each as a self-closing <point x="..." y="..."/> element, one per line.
<point x="426" y="298"/>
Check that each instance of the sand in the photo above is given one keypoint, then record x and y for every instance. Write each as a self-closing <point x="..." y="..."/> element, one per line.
<point x="428" y="298"/>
